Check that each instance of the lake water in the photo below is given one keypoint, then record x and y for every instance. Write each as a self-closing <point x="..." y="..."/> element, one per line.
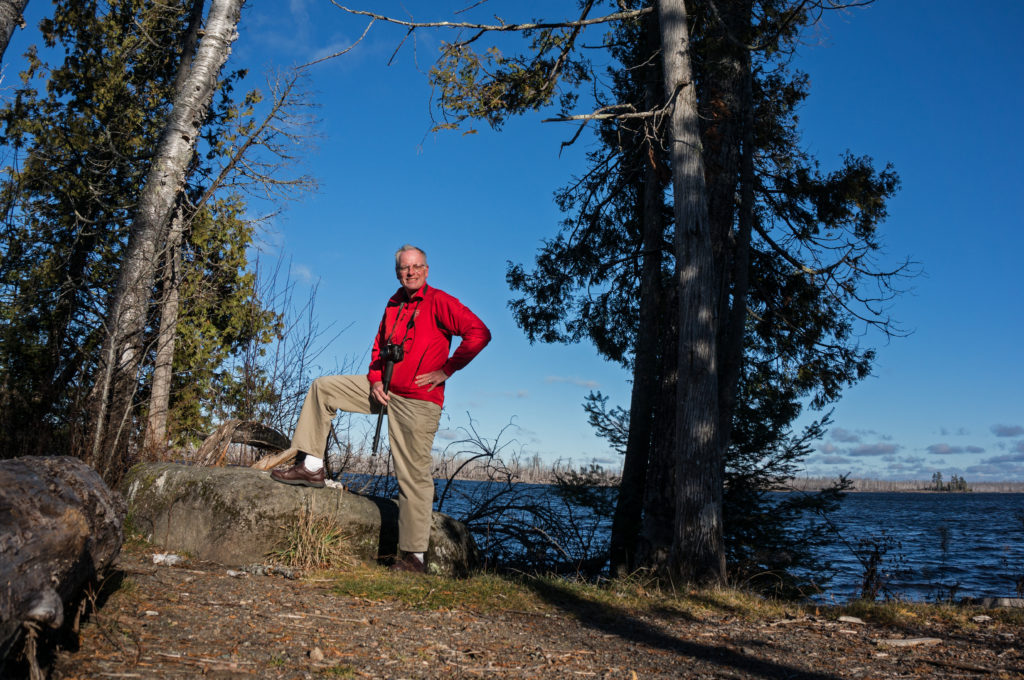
<point x="939" y="544"/>
<point x="932" y="546"/>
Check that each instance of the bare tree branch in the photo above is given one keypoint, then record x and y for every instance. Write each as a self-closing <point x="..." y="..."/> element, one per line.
<point x="502" y="27"/>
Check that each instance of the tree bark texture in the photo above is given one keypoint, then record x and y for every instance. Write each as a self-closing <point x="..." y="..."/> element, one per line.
<point x="155" y="438"/>
<point x="123" y="348"/>
<point x="627" y="521"/>
<point x="60" y="527"/>
<point x="734" y="333"/>
<point x="11" y="12"/>
<point x="697" y="553"/>
<point x="660" y="490"/>
<point x="155" y="441"/>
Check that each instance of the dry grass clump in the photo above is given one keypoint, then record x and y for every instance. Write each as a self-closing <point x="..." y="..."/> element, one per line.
<point x="898" y="613"/>
<point x="315" y="543"/>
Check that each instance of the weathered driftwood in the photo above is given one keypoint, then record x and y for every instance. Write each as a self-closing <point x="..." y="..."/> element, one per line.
<point x="60" y="527"/>
<point x="215" y="447"/>
<point x="237" y="515"/>
<point x="273" y="460"/>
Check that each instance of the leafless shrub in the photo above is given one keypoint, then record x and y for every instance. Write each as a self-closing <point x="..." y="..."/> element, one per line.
<point x="539" y="527"/>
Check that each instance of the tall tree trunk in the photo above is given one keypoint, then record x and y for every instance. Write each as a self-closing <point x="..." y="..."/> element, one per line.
<point x="697" y="553"/>
<point x="123" y="347"/>
<point x="11" y="12"/>
<point x="155" y="438"/>
<point x="734" y="333"/>
<point x="627" y="521"/>
<point x="660" y="492"/>
<point x="155" y="441"/>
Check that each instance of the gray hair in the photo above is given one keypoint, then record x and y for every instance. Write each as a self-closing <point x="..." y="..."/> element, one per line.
<point x="407" y="248"/>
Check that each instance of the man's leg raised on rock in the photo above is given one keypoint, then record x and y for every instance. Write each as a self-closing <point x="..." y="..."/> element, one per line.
<point x="326" y="396"/>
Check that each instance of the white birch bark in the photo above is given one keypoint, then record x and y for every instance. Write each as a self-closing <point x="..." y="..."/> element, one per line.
<point x="11" y="17"/>
<point x="127" y="317"/>
<point x="155" y="438"/>
<point x="697" y="553"/>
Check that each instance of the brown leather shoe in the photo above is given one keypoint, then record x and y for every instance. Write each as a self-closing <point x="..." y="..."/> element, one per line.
<point x="298" y="475"/>
<point x="410" y="564"/>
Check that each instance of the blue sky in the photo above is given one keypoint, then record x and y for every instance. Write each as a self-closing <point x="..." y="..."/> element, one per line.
<point x="933" y="86"/>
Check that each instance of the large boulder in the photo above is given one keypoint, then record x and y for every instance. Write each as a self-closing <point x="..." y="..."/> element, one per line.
<point x="237" y="516"/>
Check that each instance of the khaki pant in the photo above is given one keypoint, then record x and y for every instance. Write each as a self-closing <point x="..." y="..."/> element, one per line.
<point x="412" y="424"/>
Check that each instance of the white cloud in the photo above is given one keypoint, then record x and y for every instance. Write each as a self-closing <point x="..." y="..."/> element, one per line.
<point x="1016" y="457"/>
<point x="302" y="273"/>
<point x="944" y="449"/>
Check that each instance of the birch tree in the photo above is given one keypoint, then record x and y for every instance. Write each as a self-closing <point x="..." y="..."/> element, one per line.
<point x="11" y="12"/>
<point x="123" y="345"/>
<point x="254" y="156"/>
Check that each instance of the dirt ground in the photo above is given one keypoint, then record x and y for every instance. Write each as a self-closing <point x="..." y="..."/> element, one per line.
<point x="203" y="620"/>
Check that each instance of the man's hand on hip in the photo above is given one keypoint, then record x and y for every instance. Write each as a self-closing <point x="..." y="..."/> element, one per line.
<point x="431" y="380"/>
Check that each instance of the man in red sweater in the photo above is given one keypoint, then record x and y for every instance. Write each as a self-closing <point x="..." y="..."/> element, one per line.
<point x="421" y="320"/>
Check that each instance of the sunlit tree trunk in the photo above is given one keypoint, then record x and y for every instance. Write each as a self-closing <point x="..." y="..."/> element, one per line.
<point x="697" y="553"/>
<point x="126" y="320"/>
<point x="155" y="441"/>
<point x="155" y="438"/>
<point x="11" y="12"/>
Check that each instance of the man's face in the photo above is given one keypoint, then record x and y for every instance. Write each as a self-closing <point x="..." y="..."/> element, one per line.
<point x="412" y="270"/>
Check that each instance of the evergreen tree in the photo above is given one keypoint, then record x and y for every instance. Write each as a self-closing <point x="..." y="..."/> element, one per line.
<point x="757" y="270"/>
<point x="80" y="151"/>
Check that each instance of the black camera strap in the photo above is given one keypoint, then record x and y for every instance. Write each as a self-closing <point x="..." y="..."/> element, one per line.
<point x="390" y="363"/>
<point x="390" y="339"/>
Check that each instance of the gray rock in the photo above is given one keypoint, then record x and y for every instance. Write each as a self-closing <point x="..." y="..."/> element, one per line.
<point x="236" y="516"/>
<point x="998" y="602"/>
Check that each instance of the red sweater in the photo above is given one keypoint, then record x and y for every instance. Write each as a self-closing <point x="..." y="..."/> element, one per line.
<point x="424" y="326"/>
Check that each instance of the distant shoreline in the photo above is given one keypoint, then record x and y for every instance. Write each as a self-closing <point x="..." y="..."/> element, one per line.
<point x="904" y="486"/>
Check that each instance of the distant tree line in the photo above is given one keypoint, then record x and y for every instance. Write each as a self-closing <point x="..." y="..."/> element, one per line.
<point x="956" y="483"/>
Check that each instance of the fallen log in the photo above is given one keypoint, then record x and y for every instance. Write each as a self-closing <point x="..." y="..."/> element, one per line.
<point x="60" y="528"/>
<point x="250" y="433"/>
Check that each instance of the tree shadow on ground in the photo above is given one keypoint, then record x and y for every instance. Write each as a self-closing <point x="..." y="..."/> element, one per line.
<point x="617" y="621"/>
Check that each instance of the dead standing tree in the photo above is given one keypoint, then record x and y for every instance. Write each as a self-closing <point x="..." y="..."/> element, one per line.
<point x="116" y="378"/>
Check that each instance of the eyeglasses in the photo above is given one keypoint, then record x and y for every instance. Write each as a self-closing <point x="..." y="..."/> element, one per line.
<point x="411" y="267"/>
